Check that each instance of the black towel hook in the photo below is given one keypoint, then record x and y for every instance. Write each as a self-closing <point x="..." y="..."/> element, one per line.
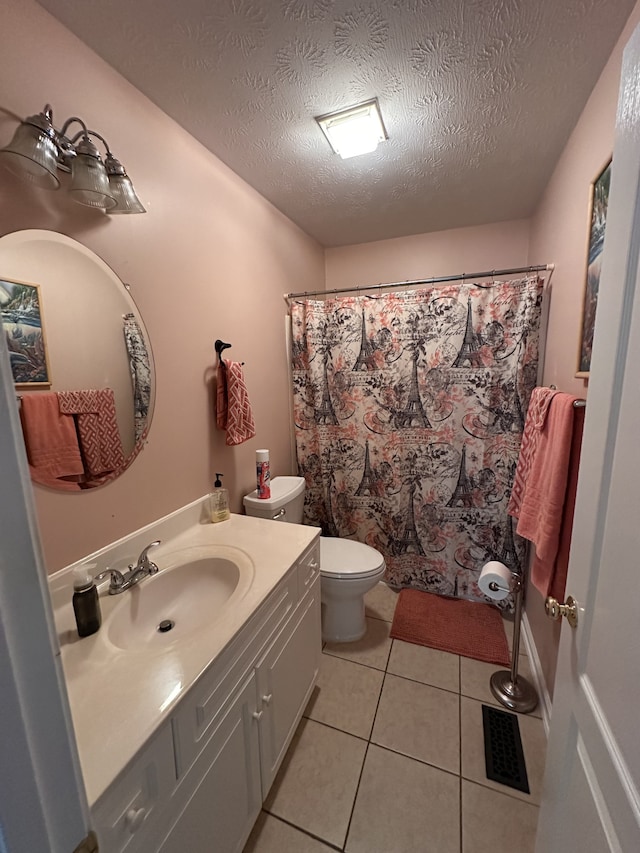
<point x="219" y="347"/>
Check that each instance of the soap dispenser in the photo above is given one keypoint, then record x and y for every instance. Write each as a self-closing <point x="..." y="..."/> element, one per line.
<point x="219" y="501"/>
<point x="86" y="605"/>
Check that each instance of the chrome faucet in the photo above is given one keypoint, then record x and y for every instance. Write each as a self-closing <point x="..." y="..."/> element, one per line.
<point x="144" y="564"/>
<point x="120" y="582"/>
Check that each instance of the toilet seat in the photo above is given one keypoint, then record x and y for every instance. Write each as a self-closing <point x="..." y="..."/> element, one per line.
<point x="345" y="558"/>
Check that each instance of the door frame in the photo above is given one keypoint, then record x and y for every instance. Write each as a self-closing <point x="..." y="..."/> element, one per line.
<point x="43" y="805"/>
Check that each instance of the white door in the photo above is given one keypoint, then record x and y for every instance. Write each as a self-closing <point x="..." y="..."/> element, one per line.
<point x="42" y="800"/>
<point x="591" y="801"/>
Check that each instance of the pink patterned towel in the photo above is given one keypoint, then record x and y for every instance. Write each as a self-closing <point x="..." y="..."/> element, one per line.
<point x="51" y="441"/>
<point x="536" y="418"/>
<point x="95" y="412"/>
<point x="540" y="504"/>
<point x="233" y="409"/>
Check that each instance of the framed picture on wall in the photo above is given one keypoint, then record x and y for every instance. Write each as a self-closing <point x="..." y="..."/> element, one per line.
<point x="598" y="202"/>
<point x="23" y="326"/>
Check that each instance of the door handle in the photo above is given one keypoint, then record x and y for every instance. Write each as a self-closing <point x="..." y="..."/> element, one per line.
<point x="267" y="698"/>
<point x="257" y="715"/>
<point x="569" y="610"/>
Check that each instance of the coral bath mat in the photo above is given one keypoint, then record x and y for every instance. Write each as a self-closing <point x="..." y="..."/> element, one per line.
<point x="467" y="628"/>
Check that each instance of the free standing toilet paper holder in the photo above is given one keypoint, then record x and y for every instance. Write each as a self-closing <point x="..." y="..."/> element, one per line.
<point x="510" y="689"/>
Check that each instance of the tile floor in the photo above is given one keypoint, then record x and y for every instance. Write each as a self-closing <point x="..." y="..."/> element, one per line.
<point x="389" y="757"/>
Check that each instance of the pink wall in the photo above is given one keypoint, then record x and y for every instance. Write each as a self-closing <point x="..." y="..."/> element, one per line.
<point x="559" y="231"/>
<point x="484" y="247"/>
<point x="210" y="259"/>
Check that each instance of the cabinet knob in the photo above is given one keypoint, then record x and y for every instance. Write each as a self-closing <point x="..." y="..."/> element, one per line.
<point x="134" y="818"/>
<point x="257" y="715"/>
<point x="267" y="698"/>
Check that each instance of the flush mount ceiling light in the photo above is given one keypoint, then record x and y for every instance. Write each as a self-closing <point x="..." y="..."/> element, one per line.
<point x="356" y="130"/>
<point x="38" y="151"/>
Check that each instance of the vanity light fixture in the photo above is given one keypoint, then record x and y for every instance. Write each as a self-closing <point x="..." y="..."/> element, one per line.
<point x="38" y="151"/>
<point x="356" y="130"/>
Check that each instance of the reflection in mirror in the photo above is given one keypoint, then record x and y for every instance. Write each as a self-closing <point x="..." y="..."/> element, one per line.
<point x="80" y="357"/>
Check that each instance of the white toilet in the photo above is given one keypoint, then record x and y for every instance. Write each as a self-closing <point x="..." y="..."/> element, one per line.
<point x="348" y="569"/>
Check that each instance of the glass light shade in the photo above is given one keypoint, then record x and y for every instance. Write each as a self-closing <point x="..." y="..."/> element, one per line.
<point x="127" y="201"/>
<point x="31" y="156"/>
<point x="357" y="130"/>
<point x="89" y="182"/>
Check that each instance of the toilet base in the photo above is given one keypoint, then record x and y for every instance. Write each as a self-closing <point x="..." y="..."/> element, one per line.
<point x="343" y="621"/>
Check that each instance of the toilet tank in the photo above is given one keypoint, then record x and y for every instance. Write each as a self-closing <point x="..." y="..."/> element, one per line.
<point x="285" y="504"/>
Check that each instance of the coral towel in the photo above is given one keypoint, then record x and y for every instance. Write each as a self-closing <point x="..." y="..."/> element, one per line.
<point x="233" y="409"/>
<point x="540" y="483"/>
<point x="51" y="441"/>
<point x="557" y="586"/>
<point x="95" y="412"/>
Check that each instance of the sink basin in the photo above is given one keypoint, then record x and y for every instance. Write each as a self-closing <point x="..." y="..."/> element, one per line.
<point x="183" y="598"/>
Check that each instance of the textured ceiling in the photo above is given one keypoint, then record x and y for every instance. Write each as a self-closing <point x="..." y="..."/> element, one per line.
<point x="478" y="97"/>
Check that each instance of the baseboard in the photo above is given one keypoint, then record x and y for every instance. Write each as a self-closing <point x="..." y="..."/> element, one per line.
<point x="536" y="671"/>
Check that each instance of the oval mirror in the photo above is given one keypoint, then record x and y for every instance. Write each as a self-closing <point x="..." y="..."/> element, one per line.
<point x="80" y="358"/>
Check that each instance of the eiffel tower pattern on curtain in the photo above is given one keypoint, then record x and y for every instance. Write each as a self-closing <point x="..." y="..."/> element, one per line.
<point x="409" y="409"/>
<point x="463" y="492"/>
<point x="470" y="352"/>
<point x="366" y="356"/>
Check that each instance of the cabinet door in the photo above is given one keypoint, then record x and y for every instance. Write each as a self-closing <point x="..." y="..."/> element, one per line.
<point x="286" y="676"/>
<point x="221" y="812"/>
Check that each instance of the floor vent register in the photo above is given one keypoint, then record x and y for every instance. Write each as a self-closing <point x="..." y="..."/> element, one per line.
<point x="503" y="753"/>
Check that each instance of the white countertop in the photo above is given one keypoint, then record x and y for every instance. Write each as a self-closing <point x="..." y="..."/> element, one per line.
<point x="119" y="698"/>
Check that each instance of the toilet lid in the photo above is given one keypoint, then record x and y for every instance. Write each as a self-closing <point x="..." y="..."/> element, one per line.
<point x="348" y="559"/>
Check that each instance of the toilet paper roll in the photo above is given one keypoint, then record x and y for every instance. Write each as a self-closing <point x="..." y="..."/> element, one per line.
<point x="494" y="572"/>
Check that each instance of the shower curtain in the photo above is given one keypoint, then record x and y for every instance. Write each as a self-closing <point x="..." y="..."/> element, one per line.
<point x="409" y="410"/>
<point x="140" y="369"/>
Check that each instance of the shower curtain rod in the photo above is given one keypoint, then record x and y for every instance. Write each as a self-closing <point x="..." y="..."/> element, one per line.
<point x="437" y="280"/>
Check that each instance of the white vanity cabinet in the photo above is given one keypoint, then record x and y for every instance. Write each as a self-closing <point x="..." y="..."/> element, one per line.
<point x="287" y="671"/>
<point x="227" y="737"/>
